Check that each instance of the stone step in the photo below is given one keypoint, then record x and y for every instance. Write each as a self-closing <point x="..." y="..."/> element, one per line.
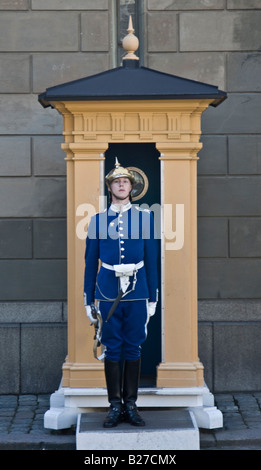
<point x="174" y="429"/>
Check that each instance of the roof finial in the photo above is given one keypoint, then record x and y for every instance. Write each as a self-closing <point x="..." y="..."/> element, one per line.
<point x="130" y="43"/>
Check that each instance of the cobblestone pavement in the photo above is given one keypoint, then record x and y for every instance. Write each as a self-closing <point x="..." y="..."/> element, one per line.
<point x="21" y="424"/>
<point x="22" y="414"/>
<point x="241" y="422"/>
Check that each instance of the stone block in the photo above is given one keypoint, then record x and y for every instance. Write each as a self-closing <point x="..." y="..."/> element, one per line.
<point x="10" y="358"/>
<point x="15" y="156"/>
<point x="23" y="114"/>
<point x="95" y="31"/>
<point x="237" y="368"/>
<point x="43" y="351"/>
<point x="48" y="157"/>
<point x="14" y="73"/>
<point x="213" y="156"/>
<point x="32" y="280"/>
<point x="69" y="5"/>
<point x="186" y="4"/>
<point x="39" y="31"/>
<point x="14" y="4"/>
<point x="244" y="154"/>
<point x="243" y="4"/>
<point x="229" y="196"/>
<point x="202" y="67"/>
<point x="245" y="237"/>
<point x="53" y="69"/>
<point x="162" y="31"/>
<point x="229" y="278"/>
<point x="239" y="114"/>
<point x="243" y="71"/>
<point x="33" y="197"/>
<point x="220" y="31"/>
<point x="16" y="239"/>
<point x="205" y="350"/>
<point x="212" y="237"/>
<point x="65" y="311"/>
<point x="229" y="310"/>
<point x="49" y="238"/>
<point x="31" y="312"/>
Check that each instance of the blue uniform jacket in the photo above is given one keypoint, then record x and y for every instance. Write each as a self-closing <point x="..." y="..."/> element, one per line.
<point x="115" y="238"/>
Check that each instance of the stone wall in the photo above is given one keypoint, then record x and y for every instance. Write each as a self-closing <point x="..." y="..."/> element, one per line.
<point x="42" y="43"/>
<point x="47" y="42"/>
<point x="218" y="42"/>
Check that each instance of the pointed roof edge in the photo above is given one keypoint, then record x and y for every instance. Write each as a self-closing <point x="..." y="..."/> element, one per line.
<point x="143" y="84"/>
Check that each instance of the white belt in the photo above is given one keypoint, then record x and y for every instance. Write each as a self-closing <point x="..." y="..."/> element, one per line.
<point x="123" y="269"/>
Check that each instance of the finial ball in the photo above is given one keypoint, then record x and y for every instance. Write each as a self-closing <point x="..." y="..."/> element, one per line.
<point x="130" y="43"/>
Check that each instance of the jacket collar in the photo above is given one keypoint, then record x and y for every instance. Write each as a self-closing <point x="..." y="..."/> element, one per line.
<point x="120" y="207"/>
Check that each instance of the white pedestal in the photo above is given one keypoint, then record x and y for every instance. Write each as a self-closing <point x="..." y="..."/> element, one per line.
<point x="164" y="430"/>
<point x="67" y="403"/>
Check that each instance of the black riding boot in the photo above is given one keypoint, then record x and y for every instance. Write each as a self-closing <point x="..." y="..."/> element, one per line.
<point x="130" y="392"/>
<point x="113" y="380"/>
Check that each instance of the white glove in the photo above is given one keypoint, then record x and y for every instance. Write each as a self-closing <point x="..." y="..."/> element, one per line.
<point x="151" y="308"/>
<point x="89" y="314"/>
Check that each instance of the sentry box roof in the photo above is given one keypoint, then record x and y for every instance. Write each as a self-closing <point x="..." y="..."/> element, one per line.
<point x="131" y="82"/>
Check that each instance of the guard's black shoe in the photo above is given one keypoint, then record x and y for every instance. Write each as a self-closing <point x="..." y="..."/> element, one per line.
<point x="113" y="380"/>
<point x="114" y="417"/>
<point x="132" y="416"/>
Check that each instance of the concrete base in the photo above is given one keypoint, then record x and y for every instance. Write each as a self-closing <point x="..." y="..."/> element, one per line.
<point x="67" y="403"/>
<point x="208" y="417"/>
<point x="165" y="429"/>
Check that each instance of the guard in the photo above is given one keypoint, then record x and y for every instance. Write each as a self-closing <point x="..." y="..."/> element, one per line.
<point x="125" y="290"/>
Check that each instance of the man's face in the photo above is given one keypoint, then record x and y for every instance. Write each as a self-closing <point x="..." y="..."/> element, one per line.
<point x="120" y="189"/>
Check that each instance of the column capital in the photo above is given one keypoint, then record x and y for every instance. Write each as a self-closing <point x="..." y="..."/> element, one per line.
<point x="83" y="151"/>
<point x="178" y="150"/>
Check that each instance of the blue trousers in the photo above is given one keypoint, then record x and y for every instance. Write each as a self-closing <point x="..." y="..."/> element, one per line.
<point x="126" y="329"/>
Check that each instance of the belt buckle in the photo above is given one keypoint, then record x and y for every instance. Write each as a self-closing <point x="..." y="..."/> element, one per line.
<point x="124" y="270"/>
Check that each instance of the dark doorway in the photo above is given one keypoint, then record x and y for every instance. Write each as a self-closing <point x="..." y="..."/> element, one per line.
<point x="144" y="157"/>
